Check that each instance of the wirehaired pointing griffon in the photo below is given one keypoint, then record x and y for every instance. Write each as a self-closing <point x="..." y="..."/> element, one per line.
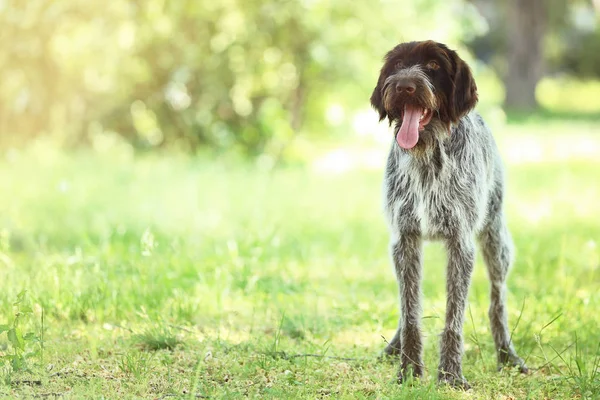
<point x="443" y="180"/>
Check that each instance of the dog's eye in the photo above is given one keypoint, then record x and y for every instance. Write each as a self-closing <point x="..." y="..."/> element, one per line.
<point x="399" y="65"/>
<point x="433" y="65"/>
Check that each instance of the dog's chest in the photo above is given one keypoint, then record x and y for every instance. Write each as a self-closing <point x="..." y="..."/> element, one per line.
<point x="433" y="209"/>
<point x="437" y="202"/>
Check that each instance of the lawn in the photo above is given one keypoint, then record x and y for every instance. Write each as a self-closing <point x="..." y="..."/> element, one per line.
<point x="162" y="276"/>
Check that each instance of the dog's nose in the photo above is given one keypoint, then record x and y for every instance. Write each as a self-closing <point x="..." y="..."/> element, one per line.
<point x="405" y="85"/>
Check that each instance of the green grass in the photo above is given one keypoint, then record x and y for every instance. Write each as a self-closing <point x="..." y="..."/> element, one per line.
<point x="165" y="277"/>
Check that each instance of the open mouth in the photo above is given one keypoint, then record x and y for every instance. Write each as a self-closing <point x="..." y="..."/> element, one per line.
<point x="425" y="117"/>
<point x="414" y="120"/>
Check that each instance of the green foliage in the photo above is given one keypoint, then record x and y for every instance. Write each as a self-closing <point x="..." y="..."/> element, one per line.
<point x="156" y="338"/>
<point x="135" y="363"/>
<point x="23" y="346"/>
<point x="568" y="95"/>
<point x="579" y="57"/>
<point x="246" y="75"/>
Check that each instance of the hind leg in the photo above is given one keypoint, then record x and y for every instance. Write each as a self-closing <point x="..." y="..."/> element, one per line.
<point x="394" y="347"/>
<point x="497" y="248"/>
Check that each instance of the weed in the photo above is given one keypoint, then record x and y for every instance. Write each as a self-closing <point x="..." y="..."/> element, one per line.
<point x="23" y="345"/>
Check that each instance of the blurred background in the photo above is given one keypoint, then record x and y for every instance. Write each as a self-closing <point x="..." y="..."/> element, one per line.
<point x="270" y="78"/>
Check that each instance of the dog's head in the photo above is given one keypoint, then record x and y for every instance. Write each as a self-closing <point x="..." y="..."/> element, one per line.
<point x="423" y="87"/>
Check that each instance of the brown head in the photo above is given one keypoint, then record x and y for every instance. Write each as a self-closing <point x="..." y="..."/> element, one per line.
<point x="423" y="87"/>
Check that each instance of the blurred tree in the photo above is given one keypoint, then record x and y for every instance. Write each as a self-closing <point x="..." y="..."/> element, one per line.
<point x="526" y="26"/>
<point x="529" y="39"/>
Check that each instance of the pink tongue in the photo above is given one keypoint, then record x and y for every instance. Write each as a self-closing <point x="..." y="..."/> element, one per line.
<point x="408" y="134"/>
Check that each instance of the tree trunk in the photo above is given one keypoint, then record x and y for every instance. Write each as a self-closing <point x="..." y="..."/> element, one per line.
<point x="527" y="22"/>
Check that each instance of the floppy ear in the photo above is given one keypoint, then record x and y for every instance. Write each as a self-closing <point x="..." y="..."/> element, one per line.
<point x="377" y="99"/>
<point x="464" y="90"/>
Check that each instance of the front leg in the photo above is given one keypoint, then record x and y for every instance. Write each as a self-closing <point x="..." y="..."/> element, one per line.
<point x="461" y="257"/>
<point x="407" y="254"/>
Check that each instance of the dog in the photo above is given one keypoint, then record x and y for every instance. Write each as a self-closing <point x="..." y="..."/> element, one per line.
<point x="444" y="181"/>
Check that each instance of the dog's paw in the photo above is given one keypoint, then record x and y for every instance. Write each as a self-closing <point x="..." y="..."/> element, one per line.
<point x="409" y="375"/>
<point x="519" y="364"/>
<point x="523" y="368"/>
<point x="455" y="381"/>
<point x="390" y="353"/>
<point x="512" y="360"/>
